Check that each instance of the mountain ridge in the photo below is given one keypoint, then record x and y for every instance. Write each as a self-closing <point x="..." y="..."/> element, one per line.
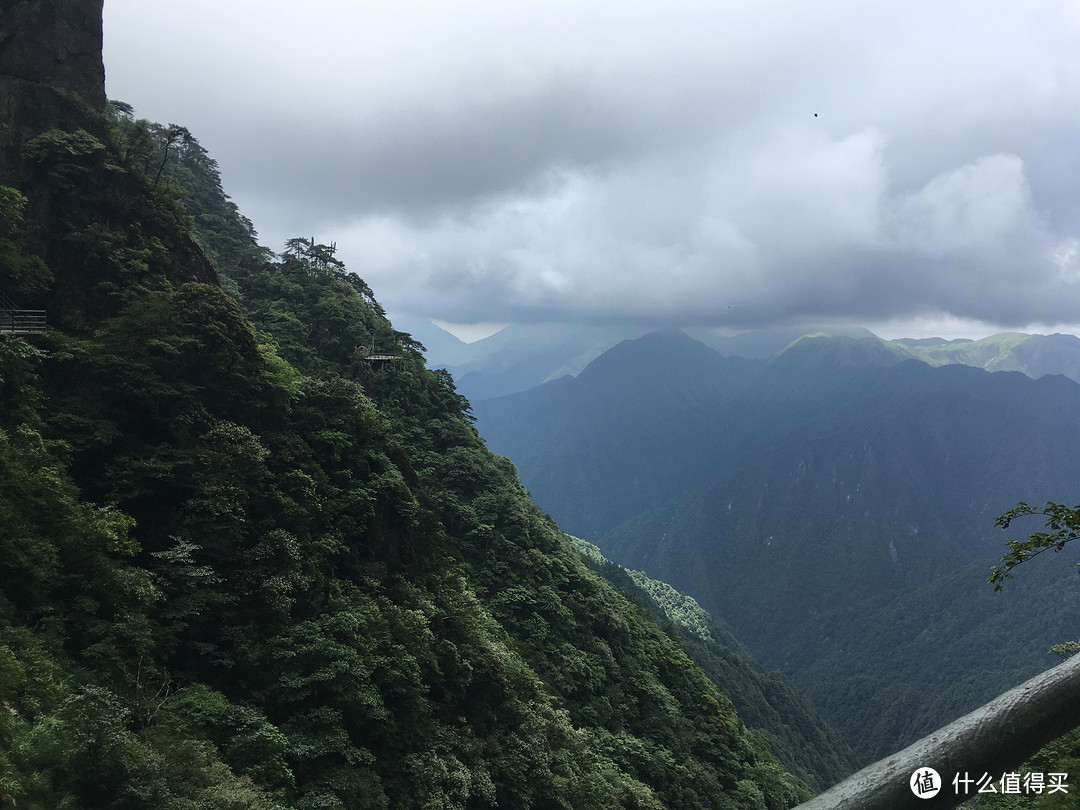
<point x="519" y="357"/>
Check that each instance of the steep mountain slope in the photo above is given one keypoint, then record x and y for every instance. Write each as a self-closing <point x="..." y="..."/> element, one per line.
<point x="821" y="498"/>
<point x="863" y="577"/>
<point x="245" y="566"/>
<point x="804" y="742"/>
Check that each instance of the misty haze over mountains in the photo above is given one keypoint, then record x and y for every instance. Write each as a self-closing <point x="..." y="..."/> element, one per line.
<point x="521" y="356"/>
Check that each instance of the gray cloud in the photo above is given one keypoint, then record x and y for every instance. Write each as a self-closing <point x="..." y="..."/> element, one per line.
<point x="585" y="161"/>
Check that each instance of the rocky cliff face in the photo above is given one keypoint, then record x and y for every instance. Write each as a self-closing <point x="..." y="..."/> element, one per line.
<point x="51" y="71"/>
<point x="52" y="77"/>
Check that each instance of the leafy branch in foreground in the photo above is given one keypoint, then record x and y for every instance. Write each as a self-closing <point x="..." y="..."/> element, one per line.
<point x="1063" y="525"/>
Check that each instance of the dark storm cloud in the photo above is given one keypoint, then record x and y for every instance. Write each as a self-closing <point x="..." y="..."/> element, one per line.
<point x="664" y="164"/>
<point x="417" y="160"/>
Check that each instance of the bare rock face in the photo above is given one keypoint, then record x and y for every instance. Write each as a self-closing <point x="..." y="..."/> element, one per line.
<point x="51" y="71"/>
<point x="56" y="43"/>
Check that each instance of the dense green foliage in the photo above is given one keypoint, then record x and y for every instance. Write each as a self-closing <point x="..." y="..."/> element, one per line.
<point x="245" y="566"/>
<point x="1062" y="522"/>
<point x="764" y="700"/>
<point x="1061" y="756"/>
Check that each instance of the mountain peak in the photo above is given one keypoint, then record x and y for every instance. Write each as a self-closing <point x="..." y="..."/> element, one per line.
<point x="659" y="343"/>
<point x="821" y="350"/>
<point x="661" y="355"/>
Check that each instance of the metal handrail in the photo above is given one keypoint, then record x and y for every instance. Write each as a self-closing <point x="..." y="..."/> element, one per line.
<point x="994" y="739"/>
<point x="7" y="303"/>
<point x="22" y="321"/>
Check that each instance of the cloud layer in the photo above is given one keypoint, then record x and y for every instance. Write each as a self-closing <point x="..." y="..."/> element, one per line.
<point x="687" y="163"/>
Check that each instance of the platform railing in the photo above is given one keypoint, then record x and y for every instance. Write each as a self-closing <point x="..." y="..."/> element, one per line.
<point x="22" y="321"/>
<point x="991" y="741"/>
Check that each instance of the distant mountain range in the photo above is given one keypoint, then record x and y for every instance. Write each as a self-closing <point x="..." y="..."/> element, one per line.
<point x="1032" y="355"/>
<point x="833" y="503"/>
<point x="522" y="356"/>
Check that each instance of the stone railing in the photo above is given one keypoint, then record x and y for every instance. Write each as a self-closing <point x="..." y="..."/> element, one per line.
<point x="943" y="769"/>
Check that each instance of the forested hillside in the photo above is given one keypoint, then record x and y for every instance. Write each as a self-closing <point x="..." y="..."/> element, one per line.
<point x="243" y="564"/>
<point x="765" y="700"/>
<point x="833" y="504"/>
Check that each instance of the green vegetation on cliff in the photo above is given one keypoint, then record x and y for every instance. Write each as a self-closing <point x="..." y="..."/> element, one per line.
<point x="241" y="565"/>
<point x="802" y="740"/>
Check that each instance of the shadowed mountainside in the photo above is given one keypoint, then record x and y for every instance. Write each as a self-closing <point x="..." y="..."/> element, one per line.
<point x="828" y="504"/>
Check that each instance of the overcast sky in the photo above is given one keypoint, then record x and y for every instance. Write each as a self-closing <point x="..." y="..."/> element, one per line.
<point x="911" y="166"/>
